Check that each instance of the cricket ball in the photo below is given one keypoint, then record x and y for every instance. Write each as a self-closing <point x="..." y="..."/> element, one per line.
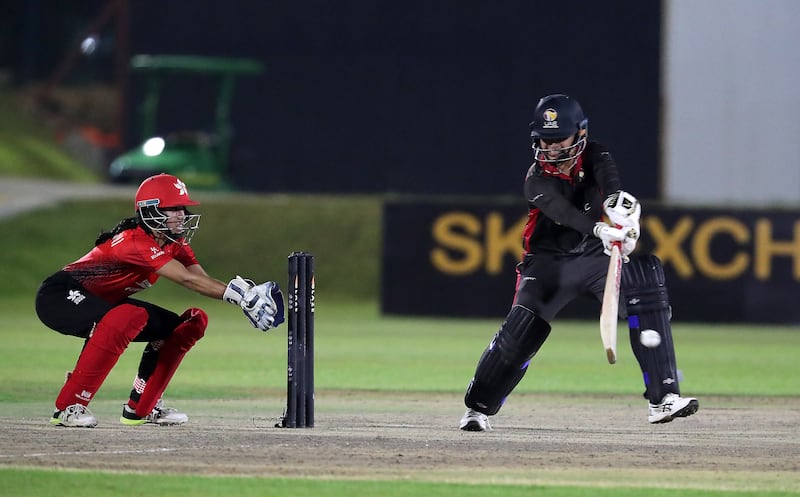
<point x="650" y="338"/>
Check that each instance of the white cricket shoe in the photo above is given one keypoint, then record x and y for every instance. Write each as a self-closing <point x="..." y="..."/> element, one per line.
<point x="474" y="421"/>
<point x="166" y="415"/>
<point x="160" y="415"/>
<point x="74" y="416"/>
<point x="672" y="406"/>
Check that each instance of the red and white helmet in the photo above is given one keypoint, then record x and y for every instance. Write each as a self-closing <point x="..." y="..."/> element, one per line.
<point x="166" y="192"/>
<point x="163" y="190"/>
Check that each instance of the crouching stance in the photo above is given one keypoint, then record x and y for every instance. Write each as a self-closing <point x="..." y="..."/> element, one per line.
<point x="505" y="361"/>
<point x="91" y="299"/>
<point x="571" y="187"/>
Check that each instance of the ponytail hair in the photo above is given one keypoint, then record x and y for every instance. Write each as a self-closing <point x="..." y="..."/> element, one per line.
<point x="128" y="223"/>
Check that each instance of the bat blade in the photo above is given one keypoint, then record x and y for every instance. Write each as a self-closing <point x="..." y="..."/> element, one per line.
<point x="610" y="309"/>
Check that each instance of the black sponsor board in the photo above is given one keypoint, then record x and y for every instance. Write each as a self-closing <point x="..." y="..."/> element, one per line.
<point x="457" y="258"/>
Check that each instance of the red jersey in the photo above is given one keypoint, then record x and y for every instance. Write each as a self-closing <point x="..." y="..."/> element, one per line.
<point x="126" y="264"/>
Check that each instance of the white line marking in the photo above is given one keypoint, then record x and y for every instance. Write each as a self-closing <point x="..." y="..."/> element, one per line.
<point x="98" y="452"/>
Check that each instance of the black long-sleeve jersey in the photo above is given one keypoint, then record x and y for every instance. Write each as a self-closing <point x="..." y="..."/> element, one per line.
<point x="562" y="209"/>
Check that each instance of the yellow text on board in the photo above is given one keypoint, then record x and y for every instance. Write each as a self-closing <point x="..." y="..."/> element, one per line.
<point x="465" y="243"/>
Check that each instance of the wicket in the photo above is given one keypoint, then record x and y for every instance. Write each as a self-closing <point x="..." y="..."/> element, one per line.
<point x="299" y="411"/>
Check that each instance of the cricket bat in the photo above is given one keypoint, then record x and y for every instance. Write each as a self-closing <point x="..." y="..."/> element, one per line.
<point x="609" y="313"/>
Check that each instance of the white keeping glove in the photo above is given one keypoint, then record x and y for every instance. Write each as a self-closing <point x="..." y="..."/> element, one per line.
<point x="237" y="287"/>
<point x="260" y="307"/>
<point x="262" y="304"/>
<point x="610" y="235"/>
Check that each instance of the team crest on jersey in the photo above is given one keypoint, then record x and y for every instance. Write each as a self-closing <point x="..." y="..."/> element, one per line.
<point x="550" y="119"/>
<point x="75" y="296"/>
<point x="156" y="253"/>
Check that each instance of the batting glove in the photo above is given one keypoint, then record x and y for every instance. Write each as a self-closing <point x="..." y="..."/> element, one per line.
<point x="610" y="235"/>
<point x="623" y="210"/>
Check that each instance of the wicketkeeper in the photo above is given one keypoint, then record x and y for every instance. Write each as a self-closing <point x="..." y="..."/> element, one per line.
<point x="91" y="299"/>
<point x="572" y="184"/>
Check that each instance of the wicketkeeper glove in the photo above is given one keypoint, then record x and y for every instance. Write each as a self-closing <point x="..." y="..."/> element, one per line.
<point x="237" y="287"/>
<point x="262" y="304"/>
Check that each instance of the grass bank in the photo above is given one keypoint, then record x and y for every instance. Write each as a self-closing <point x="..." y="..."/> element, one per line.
<point x="249" y="235"/>
<point x="28" y="149"/>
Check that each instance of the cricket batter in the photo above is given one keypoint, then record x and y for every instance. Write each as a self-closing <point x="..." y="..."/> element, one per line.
<point x="91" y="299"/>
<point x="572" y="183"/>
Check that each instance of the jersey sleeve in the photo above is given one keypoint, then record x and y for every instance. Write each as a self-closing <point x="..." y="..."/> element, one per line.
<point x="185" y="255"/>
<point x="543" y="193"/>
<point x="605" y="169"/>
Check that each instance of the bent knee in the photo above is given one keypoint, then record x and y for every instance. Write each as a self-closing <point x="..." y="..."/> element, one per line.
<point x="194" y="324"/>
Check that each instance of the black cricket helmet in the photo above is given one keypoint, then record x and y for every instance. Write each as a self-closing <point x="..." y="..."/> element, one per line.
<point x="556" y="118"/>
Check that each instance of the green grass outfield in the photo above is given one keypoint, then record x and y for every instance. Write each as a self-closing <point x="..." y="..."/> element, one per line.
<point x="357" y="348"/>
<point x="33" y="482"/>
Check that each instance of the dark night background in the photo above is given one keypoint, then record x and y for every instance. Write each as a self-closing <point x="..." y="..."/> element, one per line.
<point x="365" y="96"/>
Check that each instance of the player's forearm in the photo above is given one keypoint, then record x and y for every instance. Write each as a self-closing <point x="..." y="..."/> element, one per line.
<point x="558" y="208"/>
<point x="204" y="285"/>
<point x="193" y="278"/>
